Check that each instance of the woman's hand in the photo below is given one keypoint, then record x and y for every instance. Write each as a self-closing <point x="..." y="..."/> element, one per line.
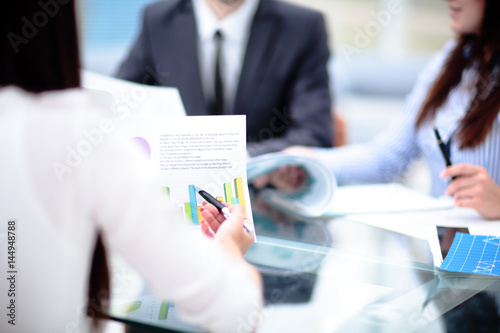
<point x="288" y="178"/>
<point x="473" y="188"/>
<point x="229" y="232"/>
<point x="301" y="151"/>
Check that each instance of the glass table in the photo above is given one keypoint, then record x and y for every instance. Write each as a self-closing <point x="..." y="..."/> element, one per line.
<point x="336" y="275"/>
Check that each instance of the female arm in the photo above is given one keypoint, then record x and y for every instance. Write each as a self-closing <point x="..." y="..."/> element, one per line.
<point x="201" y="276"/>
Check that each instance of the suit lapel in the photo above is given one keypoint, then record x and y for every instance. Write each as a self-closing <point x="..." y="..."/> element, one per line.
<point x="186" y="62"/>
<point x="258" y="49"/>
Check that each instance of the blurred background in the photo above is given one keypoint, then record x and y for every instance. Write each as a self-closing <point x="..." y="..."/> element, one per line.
<point x="378" y="47"/>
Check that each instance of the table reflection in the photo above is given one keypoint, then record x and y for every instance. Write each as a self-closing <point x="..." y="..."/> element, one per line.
<point x="344" y="276"/>
<point x="288" y="253"/>
<point x="480" y="312"/>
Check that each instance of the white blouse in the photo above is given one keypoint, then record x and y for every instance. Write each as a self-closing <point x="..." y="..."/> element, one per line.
<point x="392" y="151"/>
<point x="61" y="181"/>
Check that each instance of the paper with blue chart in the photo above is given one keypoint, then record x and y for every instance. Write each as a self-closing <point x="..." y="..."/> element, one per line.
<point x="204" y="151"/>
<point x="208" y="152"/>
<point x="473" y="254"/>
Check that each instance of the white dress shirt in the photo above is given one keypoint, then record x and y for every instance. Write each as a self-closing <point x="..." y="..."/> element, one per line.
<point x="235" y="29"/>
<point x="391" y="152"/>
<point x="109" y="188"/>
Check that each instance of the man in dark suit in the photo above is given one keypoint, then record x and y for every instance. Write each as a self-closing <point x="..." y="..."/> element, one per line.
<point x="277" y="67"/>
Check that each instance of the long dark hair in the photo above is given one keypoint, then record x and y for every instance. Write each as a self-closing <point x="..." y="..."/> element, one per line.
<point x="39" y="47"/>
<point x="98" y="290"/>
<point x="39" y="52"/>
<point x="483" y="50"/>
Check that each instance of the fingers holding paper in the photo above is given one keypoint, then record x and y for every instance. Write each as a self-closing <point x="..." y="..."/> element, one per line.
<point x="230" y="232"/>
<point x="301" y="151"/>
<point x="233" y="232"/>
<point x="288" y="178"/>
<point x="212" y="218"/>
<point x="473" y="188"/>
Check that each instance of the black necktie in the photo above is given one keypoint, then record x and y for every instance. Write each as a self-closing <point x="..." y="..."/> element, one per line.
<point x="219" y="86"/>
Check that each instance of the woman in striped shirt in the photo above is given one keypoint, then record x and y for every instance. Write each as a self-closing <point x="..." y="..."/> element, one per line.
<point x="459" y="94"/>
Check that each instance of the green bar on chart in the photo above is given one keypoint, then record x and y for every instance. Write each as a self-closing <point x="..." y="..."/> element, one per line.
<point x="163" y="311"/>
<point x="238" y="187"/>
<point x="228" y="193"/>
<point x="167" y="191"/>
<point x="187" y="210"/>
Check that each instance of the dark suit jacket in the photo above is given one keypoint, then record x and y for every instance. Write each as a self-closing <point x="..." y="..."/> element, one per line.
<point x="284" y="84"/>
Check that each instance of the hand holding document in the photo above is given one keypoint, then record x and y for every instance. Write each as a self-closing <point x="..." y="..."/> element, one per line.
<point x="321" y="197"/>
<point x="310" y="200"/>
<point x="203" y="150"/>
<point x="221" y="208"/>
<point x="235" y="232"/>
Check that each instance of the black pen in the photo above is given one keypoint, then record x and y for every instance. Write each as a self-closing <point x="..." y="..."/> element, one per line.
<point x="443" y="149"/>
<point x="220" y="207"/>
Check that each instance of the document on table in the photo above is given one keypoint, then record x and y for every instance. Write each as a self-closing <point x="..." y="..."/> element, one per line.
<point x="151" y="310"/>
<point x="421" y="224"/>
<point x="381" y="198"/>
<point x="473" y="254"/>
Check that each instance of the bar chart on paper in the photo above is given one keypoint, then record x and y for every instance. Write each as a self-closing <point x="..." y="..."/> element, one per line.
<point x="202" y="151"/>
<point x="189" y="202"/>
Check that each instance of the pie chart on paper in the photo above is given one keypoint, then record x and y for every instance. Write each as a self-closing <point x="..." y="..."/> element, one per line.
<point x="143" y="146"/>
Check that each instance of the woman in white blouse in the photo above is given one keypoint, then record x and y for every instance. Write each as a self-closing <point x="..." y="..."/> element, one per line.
<point x="459" y="94"/>
<point x="49" y="223"/>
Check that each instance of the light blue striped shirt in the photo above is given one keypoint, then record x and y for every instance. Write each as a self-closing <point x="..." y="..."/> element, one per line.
<point x="391" y="153"/>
